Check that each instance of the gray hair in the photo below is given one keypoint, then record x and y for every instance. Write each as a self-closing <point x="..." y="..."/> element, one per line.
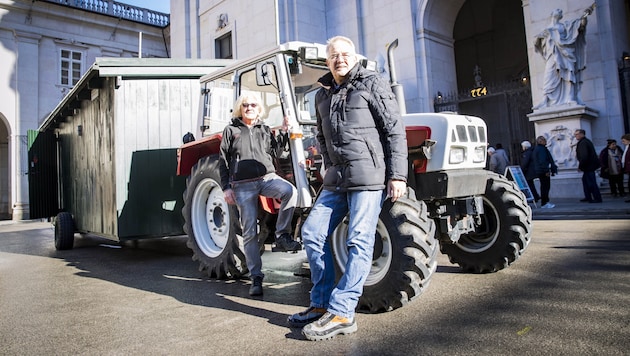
<point x="332" y="40"/>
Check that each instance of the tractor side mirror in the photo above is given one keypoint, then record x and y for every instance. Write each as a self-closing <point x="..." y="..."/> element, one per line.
<point x="263" y="74"/>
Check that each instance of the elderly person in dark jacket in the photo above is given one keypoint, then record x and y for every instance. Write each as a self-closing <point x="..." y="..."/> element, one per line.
<point x="364" y="147"/>
<point x="527" y="166"/>
<point x="247" y="171"/>
<point x="588" y="164"/>
<point x="545" y="167"/>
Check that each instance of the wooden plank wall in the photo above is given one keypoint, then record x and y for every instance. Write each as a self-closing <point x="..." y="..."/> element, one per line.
<point x="87" y="164"/>
<point x="152" y="116"/>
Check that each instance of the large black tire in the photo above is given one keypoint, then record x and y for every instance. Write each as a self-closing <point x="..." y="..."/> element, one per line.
<point x="64" y="231"/>
<point x="503" y="235"/>
<point x="211" y="223"/>
<point x="405" y="255"/>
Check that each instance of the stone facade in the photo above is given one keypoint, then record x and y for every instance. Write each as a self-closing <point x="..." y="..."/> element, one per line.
<point x="435" y="55"/>
<point x="37" y="38"/>
<point x="429" y="57"/>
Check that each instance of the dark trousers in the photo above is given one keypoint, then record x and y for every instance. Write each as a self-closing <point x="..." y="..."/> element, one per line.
<point x="532" y="188"/>
<point x="545" y="186"/>
<point x="616" y="184"/>
<point x="589" y="184"/>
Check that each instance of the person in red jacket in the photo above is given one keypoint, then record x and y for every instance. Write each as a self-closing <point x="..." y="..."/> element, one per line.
<point x="625" y="158"/>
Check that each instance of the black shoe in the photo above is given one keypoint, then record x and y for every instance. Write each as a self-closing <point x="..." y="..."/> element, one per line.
<point x="256" y="288"/>
<point x="308" y="316"/>
<point x="595" y="201"/>
<point x="284" y="243"/>
<point x="585" y="200"/>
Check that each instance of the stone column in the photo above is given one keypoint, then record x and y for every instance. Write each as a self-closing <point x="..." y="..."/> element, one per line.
<point x="557" y="124"/>
<point x="27" y="73"/>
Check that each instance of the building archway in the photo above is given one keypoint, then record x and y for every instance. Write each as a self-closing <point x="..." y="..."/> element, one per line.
<point x="479" y="65"/>
<point x="5" y="170"/>
<point x="493" y="70"/>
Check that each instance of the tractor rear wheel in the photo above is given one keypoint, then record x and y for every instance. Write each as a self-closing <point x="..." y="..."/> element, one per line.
<point x="211" y="223"/>
<point x="405" y="254"/>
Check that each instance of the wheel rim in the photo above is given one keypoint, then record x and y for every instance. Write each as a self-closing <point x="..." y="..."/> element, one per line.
<point x="210" y="218"/>
<point x="486" y="235"/>
<point x="381" y="258"/>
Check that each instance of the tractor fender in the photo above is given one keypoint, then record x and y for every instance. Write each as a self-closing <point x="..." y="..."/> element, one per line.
<point x="190" y="153"/>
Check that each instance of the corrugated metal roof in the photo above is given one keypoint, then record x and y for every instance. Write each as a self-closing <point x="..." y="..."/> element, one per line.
<point x="128" y="68"/>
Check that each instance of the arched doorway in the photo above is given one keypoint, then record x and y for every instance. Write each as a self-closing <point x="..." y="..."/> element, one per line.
<point x="492" y="75"/>
<point x="5" y="175"/>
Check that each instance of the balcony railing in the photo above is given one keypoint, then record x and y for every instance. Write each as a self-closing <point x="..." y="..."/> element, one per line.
<point x="117" y="9"/>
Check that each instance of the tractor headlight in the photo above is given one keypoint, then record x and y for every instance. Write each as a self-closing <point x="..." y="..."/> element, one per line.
<point x="480" y="154"/>
<point x="456" y="155"/>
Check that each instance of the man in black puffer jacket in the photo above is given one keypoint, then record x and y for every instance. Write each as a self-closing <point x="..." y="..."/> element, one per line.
<point x="588" y="164"/>
<point x="364" y="147"/>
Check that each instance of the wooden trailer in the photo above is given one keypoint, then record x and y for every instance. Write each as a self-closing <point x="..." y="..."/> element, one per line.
<point x="104" y="161"/>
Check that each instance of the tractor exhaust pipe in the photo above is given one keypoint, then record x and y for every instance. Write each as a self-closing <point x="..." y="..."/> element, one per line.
<point x="397" y="89"/>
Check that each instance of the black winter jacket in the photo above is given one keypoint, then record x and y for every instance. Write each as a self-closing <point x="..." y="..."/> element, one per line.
<point x="360" y="131"/>
<point x="246" y="153"/>
<point x="528" y="164"/>
<point x="586" y="156"/>
<point x="543" y="162"/>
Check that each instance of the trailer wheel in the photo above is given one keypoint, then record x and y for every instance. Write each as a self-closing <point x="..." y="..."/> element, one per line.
<point x="503" y="235"/>
<point x="211" y="223"/>
<point x="64" y="231"/>
<point x="404" y="259"/>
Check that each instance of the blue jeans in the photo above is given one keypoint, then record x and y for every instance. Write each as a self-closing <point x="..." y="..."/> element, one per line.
<point x="591" y="190"/>
<point x="246" y="194"/>
<point x="363" y="208"/>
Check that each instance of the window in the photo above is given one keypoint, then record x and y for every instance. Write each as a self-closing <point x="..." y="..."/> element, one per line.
<point x="223" y="46"/>
<point x="70" y="67"/>
<point x="269" y="96"/>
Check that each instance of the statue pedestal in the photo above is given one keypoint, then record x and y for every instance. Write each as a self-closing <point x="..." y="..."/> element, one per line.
<point x="557" y="124"/>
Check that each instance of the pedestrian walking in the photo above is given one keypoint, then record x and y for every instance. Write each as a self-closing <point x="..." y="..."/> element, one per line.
<point x="612" y="168"/>
<point x="364" y="148"/>
<point x="588" y="163"/>
<point x="545" y="167"/>
<point x="498" y="160"/>
<point x="528" y="166"/>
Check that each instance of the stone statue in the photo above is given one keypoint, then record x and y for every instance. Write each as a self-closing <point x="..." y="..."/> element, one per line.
<point x="563" y="46"/>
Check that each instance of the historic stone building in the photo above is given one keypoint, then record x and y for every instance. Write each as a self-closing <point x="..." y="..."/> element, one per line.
<point x="475" y="57"/>
<point x="471" y="56"/>
<point x="45" y="47"/>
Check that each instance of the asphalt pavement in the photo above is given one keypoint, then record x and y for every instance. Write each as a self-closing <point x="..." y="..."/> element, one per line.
<point x="574" y="209"/>
<point x="565" y="209"/>
<point x="567" y="295"/>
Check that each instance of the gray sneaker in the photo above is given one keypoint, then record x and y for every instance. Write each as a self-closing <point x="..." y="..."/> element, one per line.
<point x="328" y="326"/>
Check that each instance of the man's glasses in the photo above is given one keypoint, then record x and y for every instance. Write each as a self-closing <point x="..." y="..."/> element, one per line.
<point x="334" y="56"/>
<point x="245" y="105"/>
